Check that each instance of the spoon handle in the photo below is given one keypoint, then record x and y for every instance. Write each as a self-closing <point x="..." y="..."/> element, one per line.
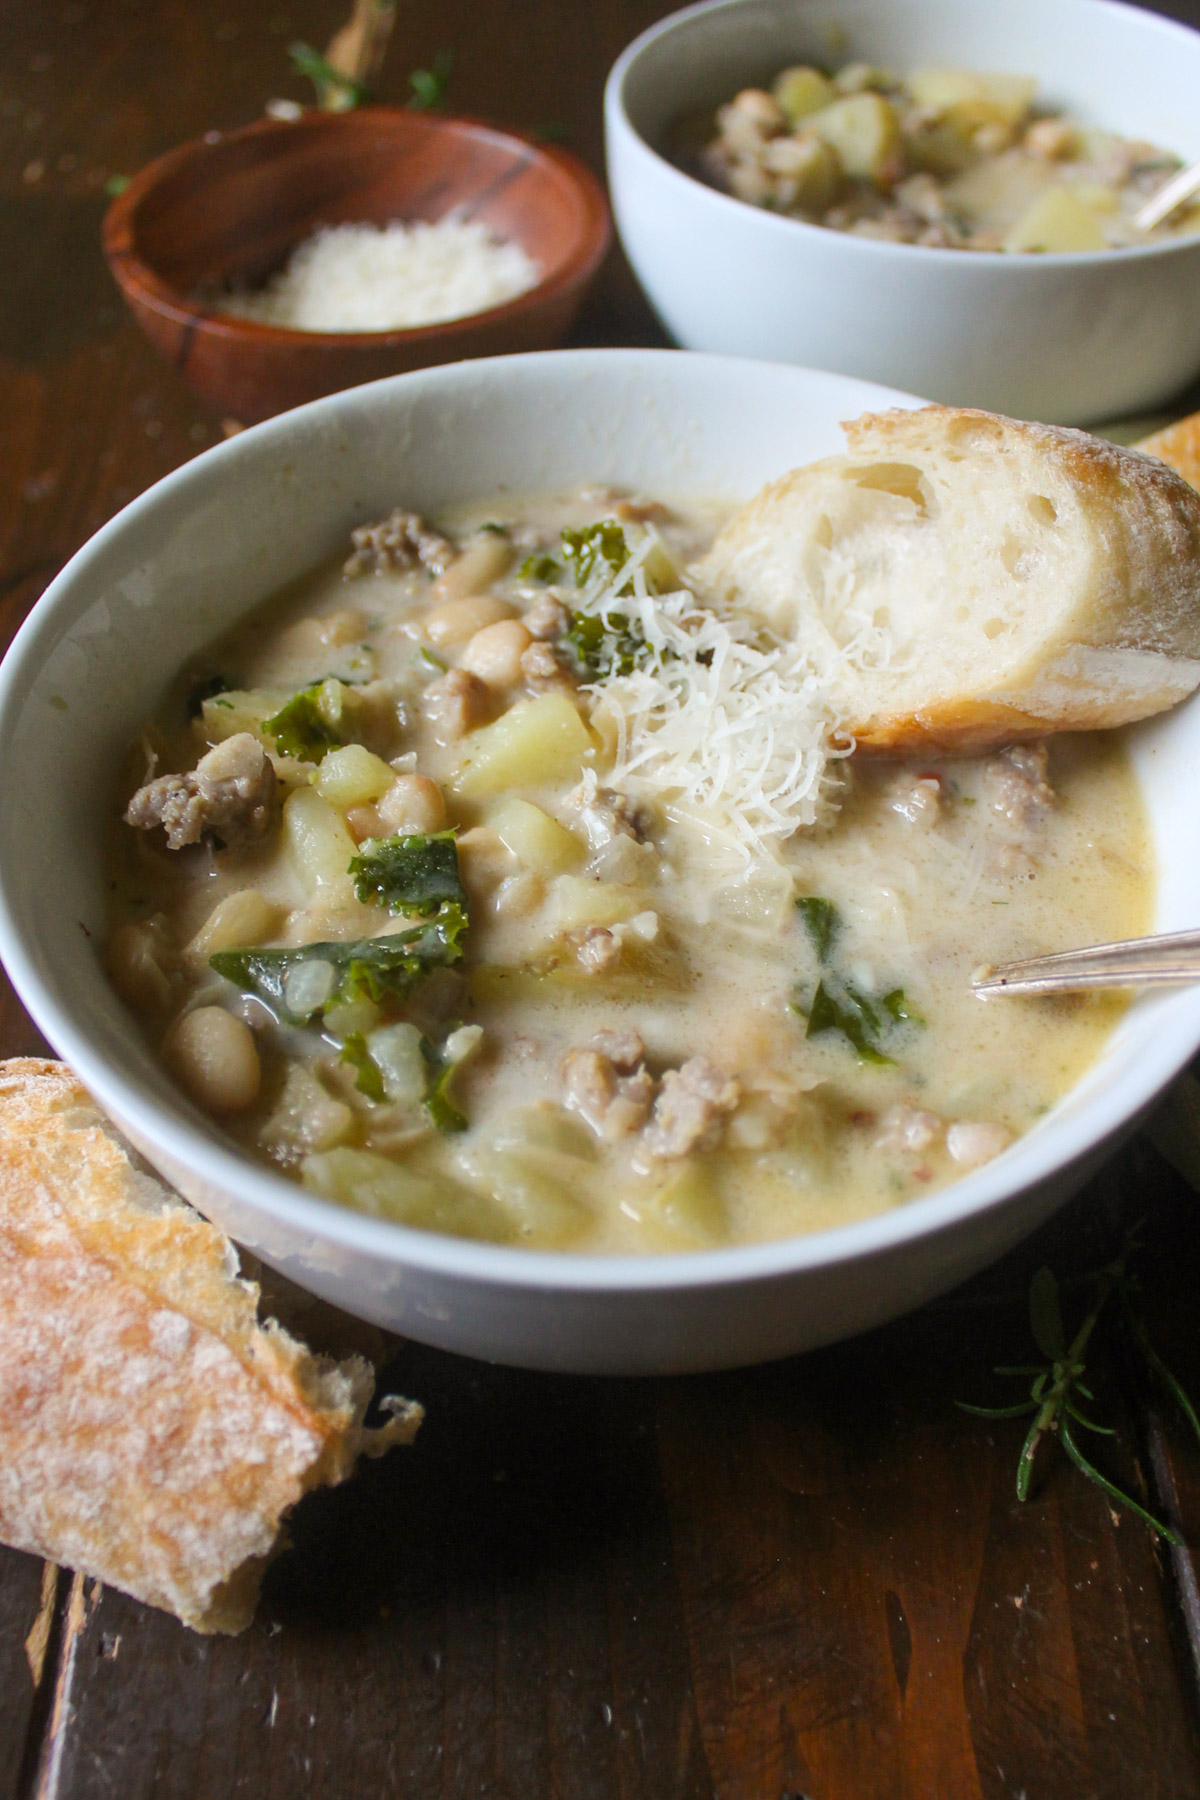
<point x="1171" y="957"/>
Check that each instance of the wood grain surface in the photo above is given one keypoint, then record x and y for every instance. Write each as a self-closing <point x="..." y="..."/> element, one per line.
<point x="811" y="1579"/>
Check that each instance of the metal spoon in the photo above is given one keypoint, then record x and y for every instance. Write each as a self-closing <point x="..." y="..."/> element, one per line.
<point x="1171" y="194"/>
<point x="1172" y="957"/>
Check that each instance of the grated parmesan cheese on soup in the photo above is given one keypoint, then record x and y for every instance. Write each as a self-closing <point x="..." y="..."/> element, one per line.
<point x="389" y="277"/>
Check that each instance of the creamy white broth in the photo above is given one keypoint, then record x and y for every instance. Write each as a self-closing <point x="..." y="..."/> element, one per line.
<point x="734" y="1120"/>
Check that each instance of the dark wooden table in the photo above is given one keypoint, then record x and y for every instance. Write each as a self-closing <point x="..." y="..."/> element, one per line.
<point x="807" y="1579"/>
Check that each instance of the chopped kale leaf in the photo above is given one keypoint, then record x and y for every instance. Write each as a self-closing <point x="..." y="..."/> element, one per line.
<point x="853" y="1015"/>
<point x="370" y="1075"/>
<point x="409" y="874"/>
<point x="364" y="969"/>
<point x="441" y="1108"/>
<point x="821" y="919"/>
<point x="901" y="1009"/>
<point x="298" y="728"/>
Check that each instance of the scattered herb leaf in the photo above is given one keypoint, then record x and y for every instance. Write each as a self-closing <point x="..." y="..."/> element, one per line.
<point x="415" y="874"/>
<point x="116" y="184"/>
<point x="435" y="661"/>
<point x="335" y="92"/>
<point x="1056" y="1382"/>
<point x="429" y="85"/>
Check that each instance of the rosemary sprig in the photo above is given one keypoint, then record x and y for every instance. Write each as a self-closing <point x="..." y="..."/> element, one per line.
<point x="1058" y="1381"/>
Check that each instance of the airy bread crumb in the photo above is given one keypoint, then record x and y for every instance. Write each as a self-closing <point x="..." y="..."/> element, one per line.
<point x="153" y="1433"/>
<point x="961" y="580"/>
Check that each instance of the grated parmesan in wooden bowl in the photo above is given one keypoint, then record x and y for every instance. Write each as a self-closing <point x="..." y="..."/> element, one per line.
<point x="367" y="277"/>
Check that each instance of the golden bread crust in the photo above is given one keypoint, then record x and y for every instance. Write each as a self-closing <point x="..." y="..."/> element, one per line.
<point x="1030" y="578"/>
<point x="1178" y="446"/>
<point x="153" y="1433"/>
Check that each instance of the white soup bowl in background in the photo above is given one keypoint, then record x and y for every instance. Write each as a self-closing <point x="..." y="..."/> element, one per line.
<point x="1069" y="338"/>
<point x="189" y="558"/>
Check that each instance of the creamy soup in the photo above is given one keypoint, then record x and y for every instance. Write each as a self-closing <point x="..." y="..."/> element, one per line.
<point x="494" y="884"/>
<point x="948" y="158"/>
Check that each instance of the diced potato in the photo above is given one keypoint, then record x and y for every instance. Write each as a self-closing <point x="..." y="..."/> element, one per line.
<point x="241" y="709"/>
<point x="397" y="1051"/>
<point x="1057" y="220"/>
<point x="579" y="900"/>
<point x="800" y="91"/>
<point x="316" y="841"/>
<point x="971" y="98"/>
<point x="688" y="1208"/>
<point x="541" y="1190"/>
<point x="660" y="570"/>
<point x="534" y="838"/>
<point x="810" y="170"/>
<point x="385" y="1189"/>
<point x="546" y="1127"/>
<point x="941" y="147"/>
<point x="857" y="77"/>
<point x="864" y="131"/>
<point x="305" y="1118"/>
<point x="235" y="923"/>
<point x="352" y="776"/>
<point x="1095" y="194"/>
<point x="540" y="740"/>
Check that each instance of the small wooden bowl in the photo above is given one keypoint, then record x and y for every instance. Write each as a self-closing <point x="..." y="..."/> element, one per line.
<point x="228" y="208"/>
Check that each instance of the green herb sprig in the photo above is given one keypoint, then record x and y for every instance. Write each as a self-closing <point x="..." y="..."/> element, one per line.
<point x="1057" y="1382"/>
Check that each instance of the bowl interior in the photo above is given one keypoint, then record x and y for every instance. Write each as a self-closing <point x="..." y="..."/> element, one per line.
<point x="1112" y="66"/>
<point x="231" y="210"/>
<point x="190" y="557"/>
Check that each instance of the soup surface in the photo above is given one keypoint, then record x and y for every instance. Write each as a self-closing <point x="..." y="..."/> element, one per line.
<point x="502" y="888"/>
<point x="948" y="158"/>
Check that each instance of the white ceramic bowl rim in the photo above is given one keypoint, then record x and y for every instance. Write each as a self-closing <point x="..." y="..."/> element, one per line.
<point x="615" y="106"/>
<point x="1030" y="1159"/>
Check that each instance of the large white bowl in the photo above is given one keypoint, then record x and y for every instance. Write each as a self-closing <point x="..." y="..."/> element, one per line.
<point x="189" y="558"/>
<point x="1067" y="338"/>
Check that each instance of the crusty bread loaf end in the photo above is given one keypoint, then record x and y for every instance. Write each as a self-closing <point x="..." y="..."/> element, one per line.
<point x="153" y="1433"/>
<point x="964" y="580"/>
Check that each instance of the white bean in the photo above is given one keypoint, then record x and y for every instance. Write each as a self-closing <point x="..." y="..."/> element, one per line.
<point x="215" y="1056"/>
<point x="481" y="563"/>
<point x="413" y="803"/>
<point x="454" y="621"/>
<point x="495" y="652"/>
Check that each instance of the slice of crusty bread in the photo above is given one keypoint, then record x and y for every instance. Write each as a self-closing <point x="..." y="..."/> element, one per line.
<point x="1178" y="446"/>
<point x="964" y="580"/>
<point x="152" y="1432"/>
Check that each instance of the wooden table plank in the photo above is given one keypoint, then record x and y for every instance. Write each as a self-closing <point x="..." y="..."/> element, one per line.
<point x="813" y="1578"/>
